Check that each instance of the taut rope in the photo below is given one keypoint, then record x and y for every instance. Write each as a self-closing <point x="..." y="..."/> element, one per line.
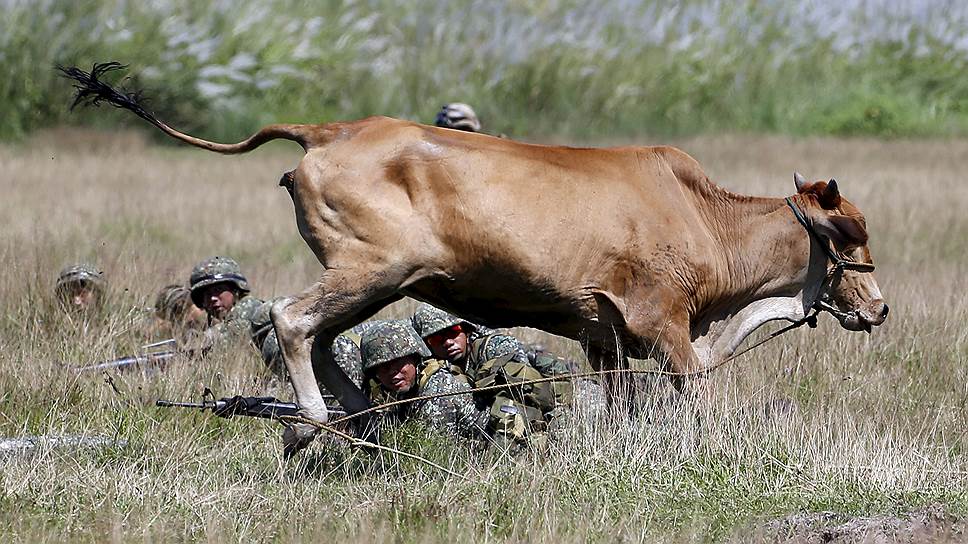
<point x="810" y="320"/>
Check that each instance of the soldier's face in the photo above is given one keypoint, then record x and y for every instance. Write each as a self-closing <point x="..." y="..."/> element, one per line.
<point x="398" y="375"/>
<point x="218" y="299"/>
<point x="449" y="344"/>
<point x="80" y="296"/>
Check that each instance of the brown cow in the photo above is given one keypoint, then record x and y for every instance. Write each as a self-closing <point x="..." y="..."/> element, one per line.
<point x="631" y="250"/>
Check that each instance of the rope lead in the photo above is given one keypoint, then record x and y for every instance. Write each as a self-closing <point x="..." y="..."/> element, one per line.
<point x="810" y="320"/>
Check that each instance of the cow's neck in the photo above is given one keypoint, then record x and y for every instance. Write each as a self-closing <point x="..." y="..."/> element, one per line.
<point x="767" y="251"/>
<point x="769" y="271"/>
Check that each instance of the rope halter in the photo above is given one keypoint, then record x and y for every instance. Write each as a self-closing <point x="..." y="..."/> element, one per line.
<point x="839" y="262"/>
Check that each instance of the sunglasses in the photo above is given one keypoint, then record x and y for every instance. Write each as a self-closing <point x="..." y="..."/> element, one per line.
<point x="449" y="333"/>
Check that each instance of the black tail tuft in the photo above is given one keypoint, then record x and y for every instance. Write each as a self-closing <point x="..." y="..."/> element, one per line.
<point x="91" y="91"/>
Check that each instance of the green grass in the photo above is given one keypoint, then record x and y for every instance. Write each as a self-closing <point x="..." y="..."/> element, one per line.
<point x="531" y="69"/>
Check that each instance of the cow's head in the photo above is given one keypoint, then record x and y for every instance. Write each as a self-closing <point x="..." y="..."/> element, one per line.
<point x="853" y="297"/>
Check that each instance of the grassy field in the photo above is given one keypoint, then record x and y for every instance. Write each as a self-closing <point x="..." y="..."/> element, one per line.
<point x="817" y="421"/>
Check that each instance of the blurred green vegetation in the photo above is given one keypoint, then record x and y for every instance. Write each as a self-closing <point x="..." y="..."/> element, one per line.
<point x="222" y="69"/>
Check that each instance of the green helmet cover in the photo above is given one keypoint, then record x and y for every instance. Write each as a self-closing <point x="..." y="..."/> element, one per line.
<point x="428" y="320"/>
<point x="389" y="340"/>
<point x="216" y="270"/>
<point x="172" y="302"/>
<point x="83" y="274"/>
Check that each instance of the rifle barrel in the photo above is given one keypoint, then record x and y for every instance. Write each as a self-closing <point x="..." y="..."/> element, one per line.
<point x="174" y="404"/>
<point x="169" y="342"/>
<point x="131" y="360"/>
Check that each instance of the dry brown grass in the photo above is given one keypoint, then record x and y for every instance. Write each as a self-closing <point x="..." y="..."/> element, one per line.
<point x="859" y="425"/>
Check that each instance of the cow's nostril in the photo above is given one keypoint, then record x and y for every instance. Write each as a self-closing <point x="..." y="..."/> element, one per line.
<point x="884" y="310"/>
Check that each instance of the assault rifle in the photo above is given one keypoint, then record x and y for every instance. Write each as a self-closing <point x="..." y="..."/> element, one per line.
<point x="153" y="356"/>
<point x="264" y="407"/>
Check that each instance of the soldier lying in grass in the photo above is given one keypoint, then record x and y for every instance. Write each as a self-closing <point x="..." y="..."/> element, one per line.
<point x="80" y="288"/>
<point x="399" y="365"/>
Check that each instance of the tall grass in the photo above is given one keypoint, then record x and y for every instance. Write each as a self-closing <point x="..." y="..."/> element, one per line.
<point x="617" y="67"/>
<point x="822" y="420"/>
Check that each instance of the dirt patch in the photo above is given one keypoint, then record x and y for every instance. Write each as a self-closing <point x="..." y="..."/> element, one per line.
<point x="33" y="444"/>
<point x="930" y="525"/>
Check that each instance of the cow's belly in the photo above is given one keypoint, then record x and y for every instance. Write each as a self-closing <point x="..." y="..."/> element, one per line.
<point x="495" y="302"/>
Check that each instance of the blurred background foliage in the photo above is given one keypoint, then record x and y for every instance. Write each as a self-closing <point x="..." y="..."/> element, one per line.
<point x="567" y="68"/>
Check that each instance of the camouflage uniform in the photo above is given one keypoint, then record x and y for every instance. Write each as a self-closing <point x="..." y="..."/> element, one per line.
<point x="590" y="396"/>
<point x="484" y="344"/>
<point x="346" y="348"/>
<point x="456" y="415"/>
<point x="518" y="413"/>
<point x="237" y="323"/>
<point x="172" y="302"/>
<point x="173" y="311"/>
<point x="549" y="364"/>
<point x="264" y="338"/>
<point x="83" y="274"/>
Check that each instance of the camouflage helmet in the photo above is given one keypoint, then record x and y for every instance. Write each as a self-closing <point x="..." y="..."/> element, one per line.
<point x="428" y="320"/>
<point x="216" y="270"/>
<point x="390" y="340"/>
<point x="172" y="302"/>
<point x="82" y="273"/>
<point x="458" y="115"/>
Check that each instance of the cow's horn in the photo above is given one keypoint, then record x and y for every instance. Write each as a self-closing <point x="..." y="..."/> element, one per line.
<point x="799" y="180"/>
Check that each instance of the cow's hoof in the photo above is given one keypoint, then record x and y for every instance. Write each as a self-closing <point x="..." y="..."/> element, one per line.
<point x="297" y="437"/>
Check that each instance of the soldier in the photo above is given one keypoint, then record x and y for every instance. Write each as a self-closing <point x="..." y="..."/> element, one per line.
<point x="468" y="346"/>
<point x="488" y="356"/>
<point x="459" y="116"/>
<point x="395" y="363"/>
<point x="218" y="286"/>
<point x="80" y="287"/>
<point x="176" y="314"/>
<point x="346" y="347"/>
<point x="483" y="358"/>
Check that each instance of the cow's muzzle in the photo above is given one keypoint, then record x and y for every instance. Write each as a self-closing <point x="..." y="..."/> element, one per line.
<point x="862" y="319"/>
<point x="865" y="318"/>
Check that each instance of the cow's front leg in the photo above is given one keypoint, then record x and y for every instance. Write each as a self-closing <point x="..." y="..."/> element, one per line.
<point x="680" y="360"/>
<point x="668" y="342"/>
<point x="306" y="326"/>
<point x="295" y="334"/>
<point x="686" y="371"/>
<point x="618" y="388"/>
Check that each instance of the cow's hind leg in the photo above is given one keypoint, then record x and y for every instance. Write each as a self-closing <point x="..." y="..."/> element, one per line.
<point x="306" y="326"/>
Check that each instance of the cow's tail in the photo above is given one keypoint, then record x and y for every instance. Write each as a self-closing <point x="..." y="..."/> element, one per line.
<point x="92" y="91"/>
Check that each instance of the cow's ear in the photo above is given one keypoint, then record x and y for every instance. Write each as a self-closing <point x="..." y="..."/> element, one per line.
<point x="830" y="197"/>
<point x="799" y="181"/>
<point x="845" y="232"/>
